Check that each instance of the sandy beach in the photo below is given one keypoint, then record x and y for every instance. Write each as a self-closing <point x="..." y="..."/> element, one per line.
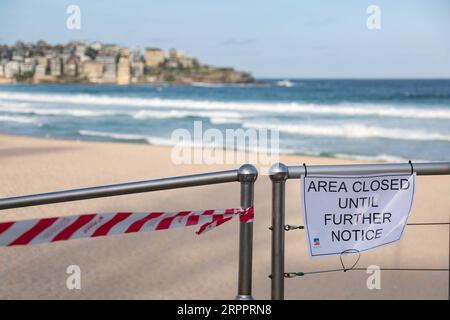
<point x="177" y="264"/>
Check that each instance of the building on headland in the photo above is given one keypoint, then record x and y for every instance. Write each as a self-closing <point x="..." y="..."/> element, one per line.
<point x="124" y="52"/>
<point x="42" y="62"/>
<point x="56" y="68"/>
<point x="80" y="51"/>
<point x="136" y="54"/>
<point x="40" y="71"/>
<point x="67" y="52"/>
<point x="110" y="50"/>
<point x="154" y="57"/>
<point x="92" y="71"/>
<point x="123" y="71"/>
<point x="172" y="59"/>
<point x="79" y="61"/>
<point x="18" y="57"/>
<point x="4" y="53"/>
<point x="71" y="66"/>
<point x="124" y="67"/>
<point x="12" y="69"/>
<point x="137" y="71"/>
<point x="28" y="66"/>
<point x="137" y="66"/>
<point x="109" y="66"/>
<point x="179" y="59"/>
<point x="187" y="61"/>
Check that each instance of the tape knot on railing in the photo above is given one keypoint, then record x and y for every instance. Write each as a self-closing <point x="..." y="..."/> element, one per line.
<point x="245" y="215"/>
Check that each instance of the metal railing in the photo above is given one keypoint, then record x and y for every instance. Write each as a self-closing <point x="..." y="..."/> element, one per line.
<point x="279" y="173"/>
<point x="246" y="175"/>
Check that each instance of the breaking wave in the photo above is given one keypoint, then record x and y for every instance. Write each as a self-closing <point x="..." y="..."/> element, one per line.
<point x="127" y="136"/>
<point x="215" y="117"/>
<point x="348" y="109"/>
<point x="19" y="119"/>
<point x="352" y="131"/>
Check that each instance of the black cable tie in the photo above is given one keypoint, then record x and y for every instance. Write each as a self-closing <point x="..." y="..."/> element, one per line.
<point x="293" y="274"/>
<point x="290" y="274"/>
<point x="306" y="170"/>
<point x="412" y="168"/>
<point x="289" y="227"/>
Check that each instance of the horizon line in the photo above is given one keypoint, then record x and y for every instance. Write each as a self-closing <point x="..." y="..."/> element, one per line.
<point x="350" y="78"/>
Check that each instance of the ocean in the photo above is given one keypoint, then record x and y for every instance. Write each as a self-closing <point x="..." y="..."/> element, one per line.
<point x="387" y="120"/>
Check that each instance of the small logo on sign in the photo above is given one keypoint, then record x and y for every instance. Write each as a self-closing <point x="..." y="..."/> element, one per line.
<point x="316" y="242"/>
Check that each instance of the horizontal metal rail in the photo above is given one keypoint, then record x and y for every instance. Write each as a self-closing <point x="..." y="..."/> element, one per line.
<point x="120" y="189"/>
<point x="246" y="175"/>
<point x="428" y="168"/>
<point x="279" y="173"/>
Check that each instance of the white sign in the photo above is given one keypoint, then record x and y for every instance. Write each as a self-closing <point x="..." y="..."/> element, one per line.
<point x="345" y="214"/>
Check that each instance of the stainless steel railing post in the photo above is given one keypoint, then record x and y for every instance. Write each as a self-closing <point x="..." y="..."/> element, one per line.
<point x="278" y="174"/>
<point x="247" y="175"/>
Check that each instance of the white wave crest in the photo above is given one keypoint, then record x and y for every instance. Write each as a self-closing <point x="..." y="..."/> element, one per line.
<point x="61" y="112"/>
<point x="285" y="83"/>
<point x="188" y="143"/>
<point x="19" y="119"/>
<point x="352" y="131"/>
<point x="215" y="117"/>
<point x="381" y="110"/>
<point x="131" y="137"/>
<point x="381" y="157"/>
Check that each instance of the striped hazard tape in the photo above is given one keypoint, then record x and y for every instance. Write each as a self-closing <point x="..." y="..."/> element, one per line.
<point x="48" y="230"/>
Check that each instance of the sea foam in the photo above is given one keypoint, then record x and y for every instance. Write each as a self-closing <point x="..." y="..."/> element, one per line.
<point x="345" y="109"/>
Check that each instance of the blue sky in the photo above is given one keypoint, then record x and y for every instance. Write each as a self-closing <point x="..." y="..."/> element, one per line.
<point x="303" y="39"/>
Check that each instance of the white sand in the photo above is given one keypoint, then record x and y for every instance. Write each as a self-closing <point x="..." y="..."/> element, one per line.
<point x="177" y="264"/>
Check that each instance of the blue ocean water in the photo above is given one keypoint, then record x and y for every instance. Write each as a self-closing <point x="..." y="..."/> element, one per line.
<point x="391" y="120"/>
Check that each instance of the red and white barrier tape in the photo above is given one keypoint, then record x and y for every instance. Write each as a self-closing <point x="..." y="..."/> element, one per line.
<point x="47" y="230"/>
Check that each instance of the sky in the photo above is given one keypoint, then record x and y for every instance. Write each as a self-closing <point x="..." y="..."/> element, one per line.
<point x="276" y="39"/>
